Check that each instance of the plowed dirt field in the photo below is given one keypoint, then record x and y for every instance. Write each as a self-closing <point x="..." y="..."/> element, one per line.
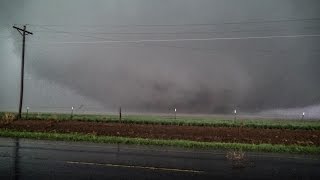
<point x="195" y="133"/>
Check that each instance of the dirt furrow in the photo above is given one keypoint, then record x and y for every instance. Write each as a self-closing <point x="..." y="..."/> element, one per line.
<point x="196" y="133"/>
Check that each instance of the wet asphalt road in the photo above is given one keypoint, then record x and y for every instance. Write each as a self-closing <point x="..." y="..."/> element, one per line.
<point x="37" y="159"/>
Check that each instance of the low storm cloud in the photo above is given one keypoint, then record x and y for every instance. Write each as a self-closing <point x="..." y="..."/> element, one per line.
<point x="95" y="51"/>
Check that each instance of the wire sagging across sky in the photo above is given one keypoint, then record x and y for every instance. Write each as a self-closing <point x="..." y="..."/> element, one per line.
<point x="179" y="40"/>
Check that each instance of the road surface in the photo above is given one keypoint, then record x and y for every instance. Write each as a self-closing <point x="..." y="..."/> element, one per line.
<point x="39" y="159"/>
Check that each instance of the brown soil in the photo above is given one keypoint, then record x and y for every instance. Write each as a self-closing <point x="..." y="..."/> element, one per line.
<point x="208" y="134"/>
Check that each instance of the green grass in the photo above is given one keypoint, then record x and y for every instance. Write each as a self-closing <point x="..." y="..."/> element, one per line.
<point x="182" y="120"/>
<point x="160" y="142"/>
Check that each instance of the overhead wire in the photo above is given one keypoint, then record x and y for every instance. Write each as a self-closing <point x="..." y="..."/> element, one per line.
<point x="50" y="30"/>
<point x="77" y="34"/>
<point x="179" y="40"/>
<point x="144" y="41"/>
<point x="156" y="33"/>
<point x="108" y="40"/>
<point x="193" y="49"/>
<point x="186" y="24"/>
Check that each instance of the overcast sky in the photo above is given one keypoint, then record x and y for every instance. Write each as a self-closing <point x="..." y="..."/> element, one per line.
<point x="150" y="55"/>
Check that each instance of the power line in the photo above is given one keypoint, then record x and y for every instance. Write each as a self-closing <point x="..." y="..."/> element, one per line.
<point x="180" y="40"/>
<point x="187" y="24"/>
<point x="145" y="45"/>
<point x="65" y="32"/>
<point x="156" y="33"/>
<point x="157" y="45"/>
<point x="202" y="50"/>
<point x="209" y="51"/>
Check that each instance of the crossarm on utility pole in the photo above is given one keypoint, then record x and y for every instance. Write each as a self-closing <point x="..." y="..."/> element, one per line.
<point x="22" y="30"/>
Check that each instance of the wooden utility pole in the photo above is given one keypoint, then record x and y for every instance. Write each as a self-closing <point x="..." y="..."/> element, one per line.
<point x="23" y="32"/>
<point x="120" y="114"/>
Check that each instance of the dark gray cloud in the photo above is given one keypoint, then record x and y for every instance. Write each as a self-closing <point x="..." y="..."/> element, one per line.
<point x="200" y="76"/>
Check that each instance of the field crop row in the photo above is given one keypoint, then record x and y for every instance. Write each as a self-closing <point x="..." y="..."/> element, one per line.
<point x="183" y="120"/>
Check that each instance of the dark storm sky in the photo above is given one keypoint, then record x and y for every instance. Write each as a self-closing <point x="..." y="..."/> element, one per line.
<point x="70" y="56"/>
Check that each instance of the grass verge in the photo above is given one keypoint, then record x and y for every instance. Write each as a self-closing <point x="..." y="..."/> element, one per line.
<point x="160" y="142"/>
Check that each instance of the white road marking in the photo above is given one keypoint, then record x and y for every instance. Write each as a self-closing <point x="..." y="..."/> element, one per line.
<point x="137" y="167"/>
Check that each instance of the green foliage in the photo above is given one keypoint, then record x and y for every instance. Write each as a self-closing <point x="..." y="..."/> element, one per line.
<point x="160" y="142"/>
